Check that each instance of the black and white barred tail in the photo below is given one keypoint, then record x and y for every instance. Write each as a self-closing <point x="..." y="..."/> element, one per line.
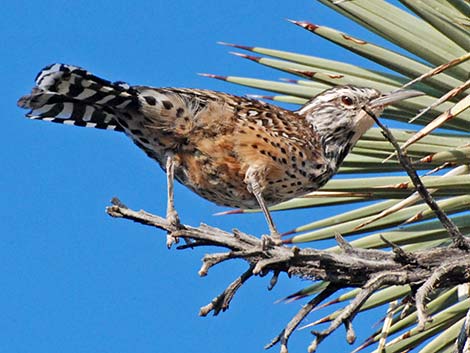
<point x="71" y="95"/>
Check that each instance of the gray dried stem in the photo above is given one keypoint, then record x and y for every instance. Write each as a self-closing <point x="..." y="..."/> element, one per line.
<point x="458" y="239"/>
<point x="352" y="267"/>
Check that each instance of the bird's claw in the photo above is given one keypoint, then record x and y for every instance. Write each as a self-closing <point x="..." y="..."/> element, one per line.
<point x="174" y="221"/>
<point x="270" y="241"/>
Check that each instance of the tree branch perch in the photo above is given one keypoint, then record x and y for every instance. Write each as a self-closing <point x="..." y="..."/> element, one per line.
<point x="362" y="268"/>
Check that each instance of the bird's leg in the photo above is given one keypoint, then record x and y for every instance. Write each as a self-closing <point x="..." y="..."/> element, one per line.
<point x="255" y="188"/>
<point x="171" y="214"/>
<point x="274" y="234"/>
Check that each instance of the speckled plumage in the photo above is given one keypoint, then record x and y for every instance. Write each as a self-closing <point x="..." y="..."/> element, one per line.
<point x="218" y="137"/>
<point x="231" y="150"/>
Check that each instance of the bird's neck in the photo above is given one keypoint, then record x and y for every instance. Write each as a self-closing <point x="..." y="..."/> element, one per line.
<point x="339" y="137"/>
<point x="336" y="147"/>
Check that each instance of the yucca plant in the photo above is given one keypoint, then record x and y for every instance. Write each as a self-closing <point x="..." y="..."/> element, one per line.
<point x="436" y="35"/>
<point x="397" y="216"/>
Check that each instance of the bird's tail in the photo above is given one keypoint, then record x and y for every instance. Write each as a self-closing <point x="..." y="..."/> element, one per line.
<point x="71" y="95"/>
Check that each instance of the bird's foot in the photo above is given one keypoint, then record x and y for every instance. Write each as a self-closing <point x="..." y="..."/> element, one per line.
<point x="174" y="221"/>
<point x="270" y="241"/>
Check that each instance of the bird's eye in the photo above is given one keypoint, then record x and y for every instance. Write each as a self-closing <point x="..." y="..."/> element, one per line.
<point x="346" y="100"/>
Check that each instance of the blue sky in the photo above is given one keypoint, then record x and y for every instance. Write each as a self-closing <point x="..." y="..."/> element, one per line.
<point x="75" y="280"/>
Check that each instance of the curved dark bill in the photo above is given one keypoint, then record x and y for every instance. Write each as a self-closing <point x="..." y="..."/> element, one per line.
<point x="394" y="96"/>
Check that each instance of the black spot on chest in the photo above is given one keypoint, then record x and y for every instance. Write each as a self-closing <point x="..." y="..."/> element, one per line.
<point x="167" y="104"/>
<point x="179" y="112"/>
<point x="150" y="100"/>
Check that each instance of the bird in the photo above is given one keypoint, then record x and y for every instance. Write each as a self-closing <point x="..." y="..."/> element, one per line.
<point x="234" y="151"/>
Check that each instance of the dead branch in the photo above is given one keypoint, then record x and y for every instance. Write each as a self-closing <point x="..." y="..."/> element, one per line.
<point x="439" y="274"/>
<point x="349" y="312"/>
<point x="284" y="336"/>
<point x="221" y="302"/>
<point x="458" y="239"/>
<point x="352" y="267"/>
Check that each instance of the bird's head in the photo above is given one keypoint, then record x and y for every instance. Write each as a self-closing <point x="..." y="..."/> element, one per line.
<point x="339" y="102"/>
<point x="340" y="110"/>
<point x="339" y="115"/>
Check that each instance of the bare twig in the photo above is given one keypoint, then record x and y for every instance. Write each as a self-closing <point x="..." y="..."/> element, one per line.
<point x="350" y="311"/>
<point x="221" y="302"/>
<point x="343" y="244"/>
<point x="284" y="336"/>
<point x="438" y="275"/>
<point x="213" y="259"/>
<point x="273" y="280"/>
<point x="457" y="237"/>
<point x="401" y="255"/>
<point x="350" y="334"/>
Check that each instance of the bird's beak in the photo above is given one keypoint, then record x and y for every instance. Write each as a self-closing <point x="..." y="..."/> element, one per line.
<point x="394" y="96"/>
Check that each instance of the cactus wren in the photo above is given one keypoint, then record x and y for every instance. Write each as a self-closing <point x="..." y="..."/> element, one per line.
<point x="234" y="151"/>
